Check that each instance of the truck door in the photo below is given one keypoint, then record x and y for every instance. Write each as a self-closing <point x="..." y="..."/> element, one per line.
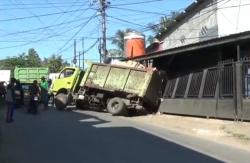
<point x="65" y="80"/>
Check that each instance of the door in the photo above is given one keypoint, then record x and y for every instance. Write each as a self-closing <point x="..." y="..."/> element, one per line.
<point x="66" y="79"/>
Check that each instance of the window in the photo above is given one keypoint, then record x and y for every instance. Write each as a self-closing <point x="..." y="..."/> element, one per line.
<point x="67" y="73"/>
<point x="203" y="31"/>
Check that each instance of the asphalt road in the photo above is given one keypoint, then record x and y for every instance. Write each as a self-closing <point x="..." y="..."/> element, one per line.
<point x="77" y="137"/>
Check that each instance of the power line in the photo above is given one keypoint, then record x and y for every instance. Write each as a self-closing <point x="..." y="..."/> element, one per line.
<point x="38" y="40"/>
<point x="39" y="4"/>
<point x="38" y="7"/>
<point x="55" y="40"/>
<point x="196" y="17"/>
<point x="45" y="27"/>
<point x="43" y="15"/>
<point x="84" y="52"/>
<point x="122" y="20"/>
<point x="136" y="3"/>
<point x="140" y="11"/>
<point x="92" y="17"/>
<point x="71" y="14"/>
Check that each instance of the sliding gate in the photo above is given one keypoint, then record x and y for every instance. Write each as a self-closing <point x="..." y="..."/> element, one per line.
<point x="222" y="92"/>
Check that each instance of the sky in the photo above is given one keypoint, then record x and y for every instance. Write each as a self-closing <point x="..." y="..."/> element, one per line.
<point x="51" y="26"/>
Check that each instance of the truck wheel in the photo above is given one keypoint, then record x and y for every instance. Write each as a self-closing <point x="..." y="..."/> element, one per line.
<point x="116" y="106"/>
<point x="61" y="101"/>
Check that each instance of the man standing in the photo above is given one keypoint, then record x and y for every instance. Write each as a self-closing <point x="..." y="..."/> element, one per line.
<point x="18" y="94"/>
<point x="44" y="92"/>
<point x="2" y="90"/>
<point x="34" y="96"/>
<point x="10" y="101"/>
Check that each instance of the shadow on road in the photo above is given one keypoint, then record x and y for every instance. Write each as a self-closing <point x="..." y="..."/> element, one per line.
<point x="70" y="137"/>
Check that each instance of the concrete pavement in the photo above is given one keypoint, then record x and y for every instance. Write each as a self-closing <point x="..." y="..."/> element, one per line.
<point x="75" y="137"/>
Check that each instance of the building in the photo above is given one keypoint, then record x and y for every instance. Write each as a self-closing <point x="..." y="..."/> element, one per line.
<point x="205" y="53"/>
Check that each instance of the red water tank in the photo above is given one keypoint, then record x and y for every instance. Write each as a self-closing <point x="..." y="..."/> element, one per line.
<point x="134" y="44"/>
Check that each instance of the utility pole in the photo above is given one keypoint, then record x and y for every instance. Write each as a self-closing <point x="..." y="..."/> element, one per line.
<point x="79" y="60"/>
<point x="74" y="60"/>
<point x="103" y="6"/>
<point x="83" y="53"/>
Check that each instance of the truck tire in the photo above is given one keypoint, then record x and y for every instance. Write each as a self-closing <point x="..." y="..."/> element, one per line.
<point x="116" y="107"/>
<point x="61" y="101"/>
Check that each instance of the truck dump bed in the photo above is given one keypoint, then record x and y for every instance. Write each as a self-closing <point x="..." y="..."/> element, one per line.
<point x="140" y="82"/>
<point x="28" y="75"/>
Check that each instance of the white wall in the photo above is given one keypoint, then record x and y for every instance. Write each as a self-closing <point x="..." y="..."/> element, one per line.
<point x="5" y="75"/>
<point x="216" y="18"/>
<point x="233" y="17"/>
<point x="190" y="31"/>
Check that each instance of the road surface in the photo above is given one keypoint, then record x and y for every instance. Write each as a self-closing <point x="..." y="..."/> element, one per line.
<point x="88" y="137"/>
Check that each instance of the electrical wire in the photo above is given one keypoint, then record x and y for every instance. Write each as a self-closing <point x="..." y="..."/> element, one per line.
<point x="39" y="4"/>
<point x="122" y="20"/>
<point x="84" y="52"/>
<point x="79" y="30"/>
<point x="45" y="27"/>
<point x="140" y="11"/>
<point x="38" y="40"/>
<point x="42" y="15"/>
<point x="136" y="3"/>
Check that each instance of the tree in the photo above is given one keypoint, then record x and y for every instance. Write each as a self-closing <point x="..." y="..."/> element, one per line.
<point x="115" y="53"/>
<point x="165" y="21"/>
<point x="118" y="40"/>
<point x="11" y="63"/>
<point x="55" y="63"/>
<point x="33" y="59"/>
<point x="150" y="39"/>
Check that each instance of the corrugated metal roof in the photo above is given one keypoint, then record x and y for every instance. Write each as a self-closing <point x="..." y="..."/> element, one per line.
<point x="231" y="39"/>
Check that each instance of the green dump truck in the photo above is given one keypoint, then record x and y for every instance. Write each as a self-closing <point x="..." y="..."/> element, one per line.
<point x="118" y="89"/>
<point x="28" y="75"/>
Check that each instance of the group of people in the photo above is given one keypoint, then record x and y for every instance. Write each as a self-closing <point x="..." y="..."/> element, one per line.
<point x="14" y="96"/>
<point x="39" y="91"/>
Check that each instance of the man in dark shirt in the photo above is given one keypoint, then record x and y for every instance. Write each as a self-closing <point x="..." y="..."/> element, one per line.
<point x="34" y="97"/>
<point x="10" y="101"/>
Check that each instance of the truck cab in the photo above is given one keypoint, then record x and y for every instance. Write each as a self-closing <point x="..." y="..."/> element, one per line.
<point x="66" y="85"/>
<point x="67" y="81"/>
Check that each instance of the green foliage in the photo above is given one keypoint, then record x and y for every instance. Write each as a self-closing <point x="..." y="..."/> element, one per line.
<point x="32" y="59"/>
<point x="55" y="63"/>
<point x="118" y="40"/>
<point x="11" y="63"/>
<point x="150" y="39"/>
<point x="165" y="21"/>
<point x="115" y="53"/>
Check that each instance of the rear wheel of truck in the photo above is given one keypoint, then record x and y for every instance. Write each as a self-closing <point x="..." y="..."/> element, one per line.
<point x="61" y="101"/>
<point x="116" y="106"/>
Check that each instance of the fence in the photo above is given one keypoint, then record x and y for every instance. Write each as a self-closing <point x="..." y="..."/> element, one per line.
<point x="222" y="92"/>
<point x="205" y="84"/>
<point x="246" y="79"/>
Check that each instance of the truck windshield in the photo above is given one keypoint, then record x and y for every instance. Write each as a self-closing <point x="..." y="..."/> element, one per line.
<point x="67" y="73"/>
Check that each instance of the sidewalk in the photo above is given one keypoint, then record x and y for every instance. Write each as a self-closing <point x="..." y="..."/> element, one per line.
<point x="235" y="134"/>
